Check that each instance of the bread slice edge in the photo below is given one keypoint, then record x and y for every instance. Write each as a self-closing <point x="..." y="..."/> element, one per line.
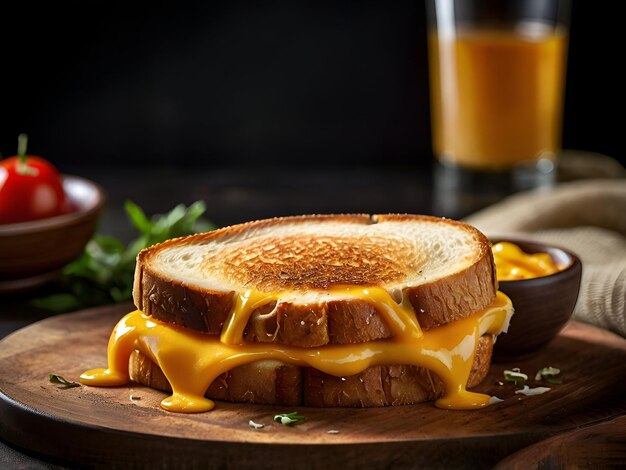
<point x="436" y="303"/>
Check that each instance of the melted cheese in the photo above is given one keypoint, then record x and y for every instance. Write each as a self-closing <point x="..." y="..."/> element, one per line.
<point x="512" y="263"/>
<point x="192" y="360"/>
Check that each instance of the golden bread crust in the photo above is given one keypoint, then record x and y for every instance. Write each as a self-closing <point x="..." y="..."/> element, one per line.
<point x="457" y="295"/>
<point x="315" y="324"/>
<point x="262" y="382"/>
<point x="175" y="302"/>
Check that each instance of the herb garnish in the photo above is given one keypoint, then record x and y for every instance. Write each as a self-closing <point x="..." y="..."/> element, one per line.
<point x="104" y="272"/>
<point x="549" y="375"/>
<point x="289" y="419"/>
<point x="516" y="376"/>
<point x="57" y="379"/>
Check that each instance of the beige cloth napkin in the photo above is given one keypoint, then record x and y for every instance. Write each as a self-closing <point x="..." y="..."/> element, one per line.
<point x="587" y="217"/>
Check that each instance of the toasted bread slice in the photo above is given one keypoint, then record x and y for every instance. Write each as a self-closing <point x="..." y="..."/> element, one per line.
<point x="271" y="382"/>
<point x="443" y="268"/>
<point x="263" y="382"/>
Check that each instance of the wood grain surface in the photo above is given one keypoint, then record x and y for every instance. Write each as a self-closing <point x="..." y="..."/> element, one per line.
<point x="598" y="446"/>
<point x="125" y="425"/>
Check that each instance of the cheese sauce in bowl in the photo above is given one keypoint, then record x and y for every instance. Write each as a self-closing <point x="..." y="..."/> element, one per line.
<point x="513" y="264"/>
<point x="543" y="282"/>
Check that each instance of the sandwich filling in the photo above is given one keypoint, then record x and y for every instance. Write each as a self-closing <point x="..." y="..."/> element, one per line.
<point x="191" y="361"/>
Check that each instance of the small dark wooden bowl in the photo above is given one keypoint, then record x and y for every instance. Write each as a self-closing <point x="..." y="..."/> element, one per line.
<point x="32" y="253"/>
<point x="542" y="305"/>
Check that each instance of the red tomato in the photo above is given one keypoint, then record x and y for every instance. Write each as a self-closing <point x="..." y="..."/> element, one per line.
<point x="30" y="189"/>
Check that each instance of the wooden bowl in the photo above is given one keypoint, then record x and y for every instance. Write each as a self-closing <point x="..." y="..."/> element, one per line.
<point x="542" y="305"/>
<point x="32" y="253"/>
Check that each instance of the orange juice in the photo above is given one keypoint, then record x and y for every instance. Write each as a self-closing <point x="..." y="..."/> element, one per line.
<point x="497" y="95"/>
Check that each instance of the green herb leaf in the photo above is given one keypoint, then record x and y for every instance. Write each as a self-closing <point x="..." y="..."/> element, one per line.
<point x="104" y="272"/>
<point x="547" y="373"/>
<point x="137" y="216"/>
<point x="57" y="379"/>
<point x="515" y="376"/>
<point x="289" y="419"/>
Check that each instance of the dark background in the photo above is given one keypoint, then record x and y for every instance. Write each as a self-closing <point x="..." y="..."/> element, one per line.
<point x="303" y="83"/>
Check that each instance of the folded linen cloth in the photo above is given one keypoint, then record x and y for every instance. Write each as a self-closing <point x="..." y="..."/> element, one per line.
<point x="588" y="217"/>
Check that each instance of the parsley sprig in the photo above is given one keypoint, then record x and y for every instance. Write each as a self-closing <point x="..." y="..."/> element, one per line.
<point x="104" y="272"/>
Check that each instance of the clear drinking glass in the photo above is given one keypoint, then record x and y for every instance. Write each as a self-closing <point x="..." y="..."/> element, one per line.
<point x="497" y="79"/>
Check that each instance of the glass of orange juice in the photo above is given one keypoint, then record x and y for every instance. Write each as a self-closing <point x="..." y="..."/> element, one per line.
<point x="497" y="79"/>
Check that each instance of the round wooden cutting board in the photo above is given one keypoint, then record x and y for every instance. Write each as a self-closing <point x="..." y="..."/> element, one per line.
<point x="125" y="425"/>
